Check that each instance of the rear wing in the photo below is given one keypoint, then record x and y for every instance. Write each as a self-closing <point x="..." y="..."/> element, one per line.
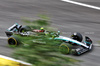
<point x="14" y="28"/>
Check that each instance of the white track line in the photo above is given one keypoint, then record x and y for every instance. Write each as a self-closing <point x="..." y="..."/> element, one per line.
<point x="1" y="37"/>
<point x="82" y="4"/>
<point x="2" y="56"/>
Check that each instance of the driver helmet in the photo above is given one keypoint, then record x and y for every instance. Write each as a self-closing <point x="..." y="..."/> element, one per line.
<point x="41" y="28"/>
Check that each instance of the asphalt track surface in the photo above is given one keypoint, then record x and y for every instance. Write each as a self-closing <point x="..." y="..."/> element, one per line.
<point x="67" y="17"/>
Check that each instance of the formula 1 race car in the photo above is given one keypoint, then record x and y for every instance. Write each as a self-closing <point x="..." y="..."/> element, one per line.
<point x="70" y="45"/>
<point x="74" y="44"/>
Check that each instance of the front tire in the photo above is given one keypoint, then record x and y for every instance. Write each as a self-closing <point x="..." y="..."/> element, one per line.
<point x="65" y="48"/>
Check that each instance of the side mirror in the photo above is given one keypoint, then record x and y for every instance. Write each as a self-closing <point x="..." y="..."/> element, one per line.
<point x="12" y="27"/>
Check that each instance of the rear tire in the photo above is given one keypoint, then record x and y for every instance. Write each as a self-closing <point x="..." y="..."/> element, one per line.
<point x="13" y="40"/>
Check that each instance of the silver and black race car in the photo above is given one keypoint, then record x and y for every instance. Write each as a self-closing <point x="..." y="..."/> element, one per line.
<point x="70" y="45"/>
<point x="74" y="44"/>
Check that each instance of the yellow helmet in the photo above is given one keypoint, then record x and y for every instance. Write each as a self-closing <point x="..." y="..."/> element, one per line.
<point x="41" y="28"/>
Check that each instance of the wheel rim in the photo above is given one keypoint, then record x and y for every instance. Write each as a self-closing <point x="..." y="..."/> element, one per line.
<point x="64" y="49"/>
